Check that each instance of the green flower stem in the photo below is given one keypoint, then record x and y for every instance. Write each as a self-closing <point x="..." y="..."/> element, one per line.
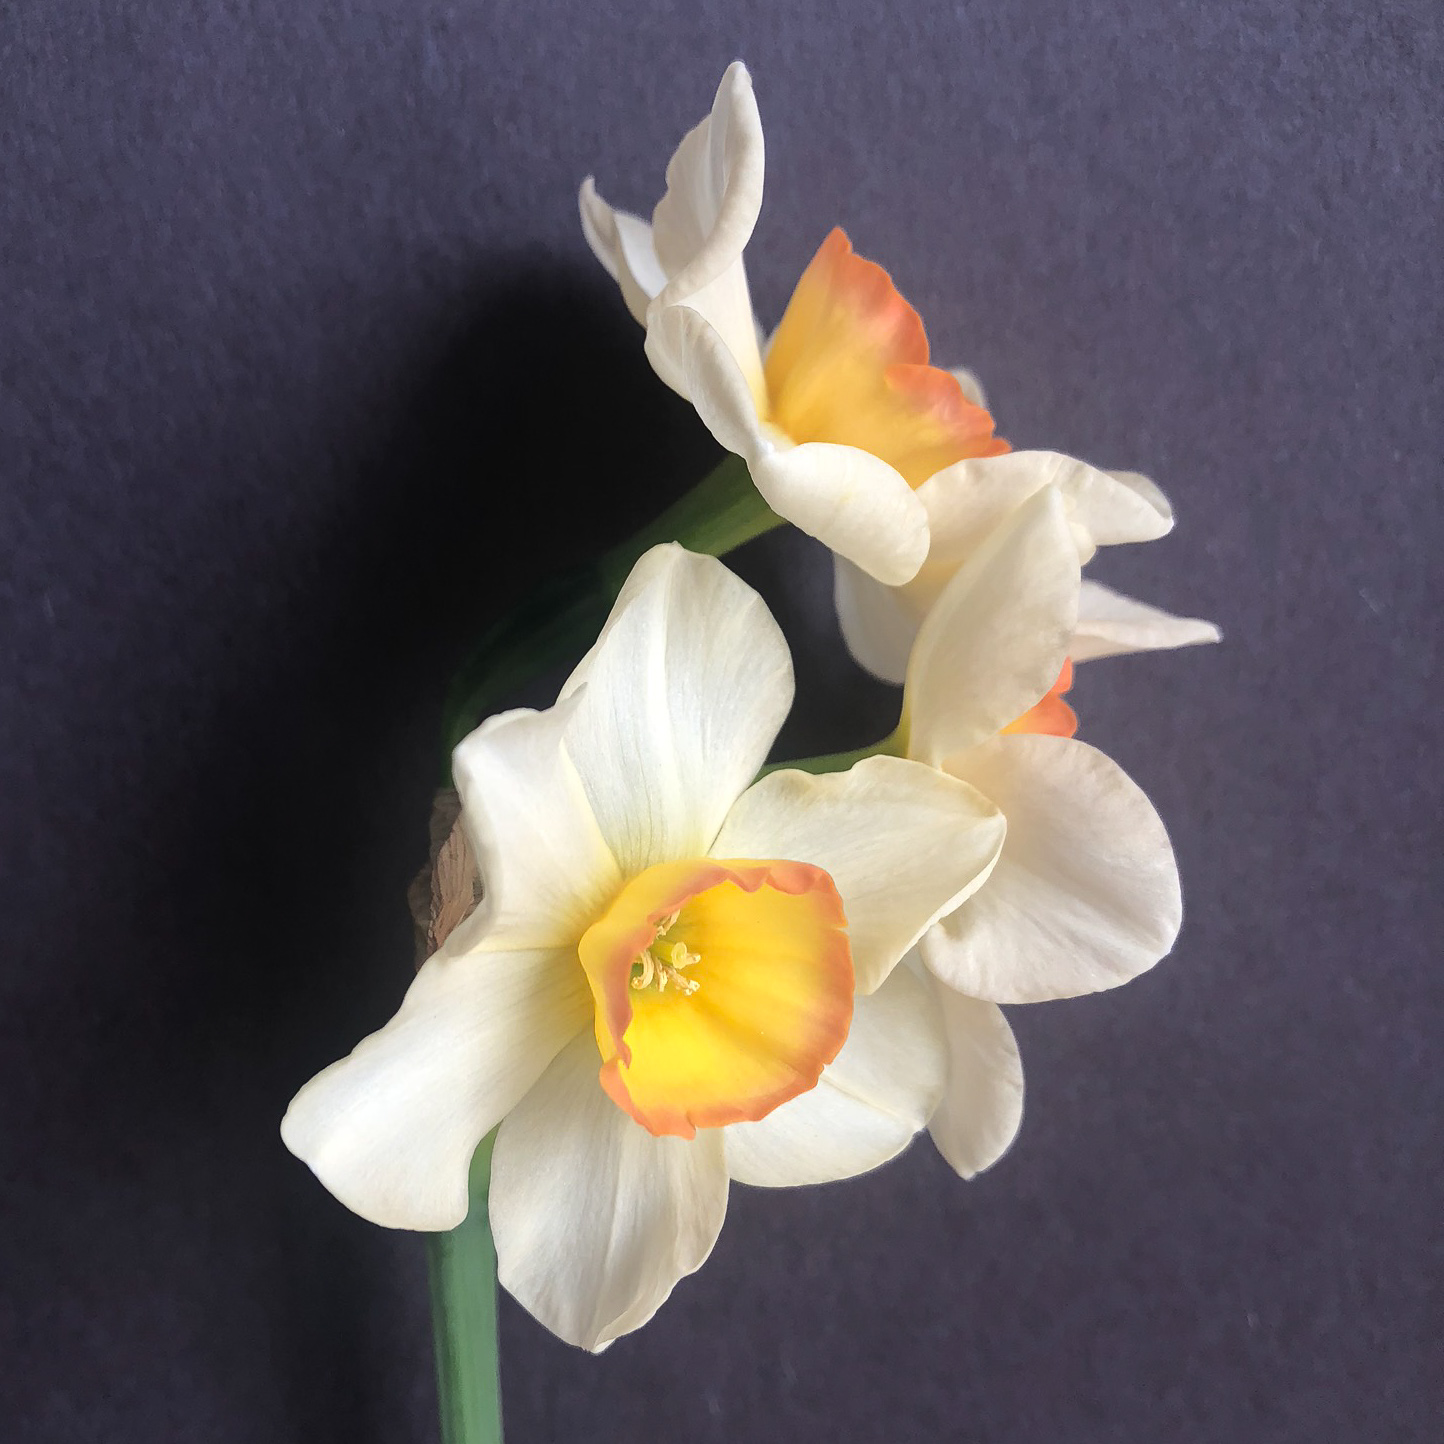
<point x="463" y="1318"/>
<point x="893" y="745"/>
<point x="561" y="619"/>
<point x="721" y="512"/>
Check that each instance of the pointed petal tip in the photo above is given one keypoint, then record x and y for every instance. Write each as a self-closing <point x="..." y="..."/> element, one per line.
<point x="736" y="76"/>
<point x="1148" y="490"/>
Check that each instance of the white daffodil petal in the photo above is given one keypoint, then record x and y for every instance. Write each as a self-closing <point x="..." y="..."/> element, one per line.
<point x="903" y="843"/>
<point x="545" y="866"/>
<point x="997" y="636"/>
<point x="1147" y="490"/>
<point x="1112" y="625"/>
<point x="972" y="387"/>
<point x="869" y="1103"/>
<point x="878" y="622"/>
<point x="1085" y="894"/>
<point x="596" y="1220"/>
<point x="982" y="1106"/>
<point x="967" y="500"/>
<point x="390" y="1130"/>
<point x="720" y="305"/>
<point x="709" y="374"/>
<point x="701" y="227"/>
<point x="714" y="187"/>
<point x="622" y="242"/>
<point x="682" y="698"/>
<point x="851" y="501"/>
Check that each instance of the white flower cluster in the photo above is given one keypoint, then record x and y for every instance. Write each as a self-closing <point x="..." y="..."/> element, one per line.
<point x="681" y="974"/>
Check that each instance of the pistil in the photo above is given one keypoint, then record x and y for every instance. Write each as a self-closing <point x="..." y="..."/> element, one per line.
<point x="664" y="963"/>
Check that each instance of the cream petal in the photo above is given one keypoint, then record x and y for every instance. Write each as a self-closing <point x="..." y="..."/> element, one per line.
<point x="964" y="503"/>
<point x="596" y="1220"/>
<point x="714" y="186"/>
<point x="851" y="501"/>
<point x="1085" y="894"/>
<point x="622" y="242"/>
<point x="390" y="1130"/>
<point x="702" y="224"/>
<point x="871" y="1100"/>
<point x="683" y="696"/>
<point x="982" y="1106"/>
<point x="546" y="869"/>
<point x="709" y="374"/>
<point x="1148" y="492"/>
<point x="1112" y="625"/>
<point x="722" y="305"/>
<point x="904" y="844"/>
<point x="967" y="500"/>
<point x="996" y="638"/>
<point x="878" y="622"/>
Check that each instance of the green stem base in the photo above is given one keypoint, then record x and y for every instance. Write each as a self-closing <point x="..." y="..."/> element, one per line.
<point x="462" y="1266"/>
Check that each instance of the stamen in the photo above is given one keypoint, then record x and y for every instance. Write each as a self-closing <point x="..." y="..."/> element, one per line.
<point x="665" y="970"/>
<point x="686" y="986"/>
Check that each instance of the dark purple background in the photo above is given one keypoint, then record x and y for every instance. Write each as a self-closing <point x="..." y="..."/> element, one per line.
<point x="305" y="369"/>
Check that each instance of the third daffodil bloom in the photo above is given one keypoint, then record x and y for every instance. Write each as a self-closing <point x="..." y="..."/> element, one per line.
<point x="676" y="976"/>
<point x="844" y="417"/>
<point x="1085" y="892"/>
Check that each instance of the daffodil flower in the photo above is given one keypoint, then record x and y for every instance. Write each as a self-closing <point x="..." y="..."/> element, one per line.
<point x="1085" y="892"/>
<point x="845" y="416"/>
<point x="676" y="976"/>
<point x="847" y="428"/>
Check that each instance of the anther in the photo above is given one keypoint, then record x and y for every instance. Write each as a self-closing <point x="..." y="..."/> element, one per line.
<point x="665" y="970"/>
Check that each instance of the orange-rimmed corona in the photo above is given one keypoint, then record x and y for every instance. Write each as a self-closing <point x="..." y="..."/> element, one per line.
<point x="850" y="364"/>
<point x="722" y="989"/>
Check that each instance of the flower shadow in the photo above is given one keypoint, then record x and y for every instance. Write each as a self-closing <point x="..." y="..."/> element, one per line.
<point x="268" y="904"/>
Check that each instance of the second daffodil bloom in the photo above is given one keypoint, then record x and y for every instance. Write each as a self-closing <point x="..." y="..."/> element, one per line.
<point x="1085" y="892"/>
<point x="844" y="417"/>
<point x="849" y="431"/>
<point x="676" y="976"/>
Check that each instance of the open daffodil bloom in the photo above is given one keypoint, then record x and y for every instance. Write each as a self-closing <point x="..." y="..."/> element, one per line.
<point x="844" y="417"/>
<point x="676" y="976"/>
<point x="849" y="431"/>
<point x="1085" y="892"/>
<point x="750" y="951"/>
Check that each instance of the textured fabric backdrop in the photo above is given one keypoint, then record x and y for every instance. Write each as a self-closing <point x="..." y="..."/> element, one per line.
<point x="305" y="370"/>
